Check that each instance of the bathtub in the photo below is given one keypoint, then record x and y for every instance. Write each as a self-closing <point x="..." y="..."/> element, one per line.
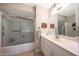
<point x="13" y="50"/>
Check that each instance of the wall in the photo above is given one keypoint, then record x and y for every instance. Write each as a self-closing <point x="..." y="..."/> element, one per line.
<point x="41" y="17"/>
<point x="54" y="20"/>
<point x="70" y="19"/>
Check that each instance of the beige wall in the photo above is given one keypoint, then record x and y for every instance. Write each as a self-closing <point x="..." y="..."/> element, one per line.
<point x="54" y="20"/>
<point x="41" y="17"/>
<point x="70" y="19"/>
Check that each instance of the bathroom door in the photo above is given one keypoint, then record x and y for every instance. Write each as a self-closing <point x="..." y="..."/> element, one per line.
<point x="27" y="31"/>
<point x="10" y="31"/>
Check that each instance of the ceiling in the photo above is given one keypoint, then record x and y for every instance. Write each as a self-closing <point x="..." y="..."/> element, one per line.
<point x="66" y="10"/>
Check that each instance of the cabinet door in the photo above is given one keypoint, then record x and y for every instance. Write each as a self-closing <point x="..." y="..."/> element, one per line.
<point x="53" y="46"/>
<point x="58" y="51"/>
<point x="43" y="45"/>
<point x="48" y="46"/>
<point x="47" y="50"/>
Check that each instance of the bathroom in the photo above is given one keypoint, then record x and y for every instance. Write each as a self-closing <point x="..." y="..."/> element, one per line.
<point x="39" y="29"/>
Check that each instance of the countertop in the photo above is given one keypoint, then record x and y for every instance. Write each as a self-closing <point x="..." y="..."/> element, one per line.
<point x="69" y="45"/>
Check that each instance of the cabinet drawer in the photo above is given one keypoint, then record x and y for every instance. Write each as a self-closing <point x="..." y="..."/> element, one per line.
<point x="58" y="51"/>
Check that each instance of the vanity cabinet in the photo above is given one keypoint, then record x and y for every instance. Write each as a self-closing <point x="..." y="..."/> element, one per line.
<point x="48" y="51"/>
<point x="43" y="45"/>
<point x="46" y="47"/>
<point x="51" y="49"/>
<point x="59" y="51"/>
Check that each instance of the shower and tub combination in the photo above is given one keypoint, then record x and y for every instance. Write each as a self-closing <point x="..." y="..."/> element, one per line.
<point x="17" y="31"/>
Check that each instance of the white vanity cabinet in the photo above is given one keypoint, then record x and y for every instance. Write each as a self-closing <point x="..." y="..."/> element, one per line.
<point x="48" y="49"/>
<point x="45" y="47"/>
<point x="59" y="51"/>
<point x="51" y="49"/>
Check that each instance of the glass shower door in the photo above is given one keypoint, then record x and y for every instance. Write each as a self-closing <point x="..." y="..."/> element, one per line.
<point x="17" y="30"/>
<point x="27" y="31"/>
<point x="10" y="31"/>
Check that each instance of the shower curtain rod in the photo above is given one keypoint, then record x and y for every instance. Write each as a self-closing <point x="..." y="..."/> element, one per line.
<point x="19" y="17"/>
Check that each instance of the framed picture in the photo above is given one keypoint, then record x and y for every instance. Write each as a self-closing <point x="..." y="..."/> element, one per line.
<point x="43" y="25"/>
<point x="52" y="26"/>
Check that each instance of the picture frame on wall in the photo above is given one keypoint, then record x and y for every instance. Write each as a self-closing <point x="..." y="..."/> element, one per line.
<point x="43" y="25"/>
<point x="52" y="26"/>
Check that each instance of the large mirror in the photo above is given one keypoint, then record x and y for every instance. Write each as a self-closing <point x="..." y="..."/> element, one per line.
<point x="67" y="25"/>
<point x="67" y="21"/>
